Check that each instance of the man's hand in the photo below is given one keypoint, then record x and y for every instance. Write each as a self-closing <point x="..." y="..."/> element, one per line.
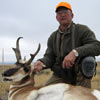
<point x="38" y="66"/>
<point x="69" y="60"/>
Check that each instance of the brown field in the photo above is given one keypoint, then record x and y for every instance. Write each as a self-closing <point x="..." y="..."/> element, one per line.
<point x="41" y="79"/>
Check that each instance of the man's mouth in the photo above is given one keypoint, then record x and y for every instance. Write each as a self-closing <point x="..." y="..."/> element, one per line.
<point x="63" y="18"/>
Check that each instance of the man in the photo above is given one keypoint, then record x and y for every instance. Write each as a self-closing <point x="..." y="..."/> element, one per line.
<point x="61" y="56"/>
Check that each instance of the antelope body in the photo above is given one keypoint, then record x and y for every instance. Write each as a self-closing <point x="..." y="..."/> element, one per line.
<point x="22" y="87"/>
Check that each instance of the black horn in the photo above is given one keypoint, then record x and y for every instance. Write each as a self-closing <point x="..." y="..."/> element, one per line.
<point x="17" y="50"/>
<point x="33" y="55"/>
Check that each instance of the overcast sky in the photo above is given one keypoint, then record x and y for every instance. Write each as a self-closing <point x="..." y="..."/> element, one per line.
<point x="35" y="20"/>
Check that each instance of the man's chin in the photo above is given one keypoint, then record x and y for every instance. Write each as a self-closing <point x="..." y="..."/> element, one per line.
<point x="64" y="24"/>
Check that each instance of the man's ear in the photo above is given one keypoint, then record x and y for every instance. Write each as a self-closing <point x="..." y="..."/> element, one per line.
<point x="72" y="15"/>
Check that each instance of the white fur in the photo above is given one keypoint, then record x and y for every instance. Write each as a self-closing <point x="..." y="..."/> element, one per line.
<point x="54" y="92"/>
<point x="33" y="95"/>
<point x="54" y="88"/>
<point x="58" y="92"/>
<point x="97" y="94"/>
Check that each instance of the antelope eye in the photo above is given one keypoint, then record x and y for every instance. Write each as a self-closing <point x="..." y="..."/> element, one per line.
<point x="26" y="69"/>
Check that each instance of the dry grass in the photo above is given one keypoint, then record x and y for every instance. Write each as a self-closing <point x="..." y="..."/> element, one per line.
<point x="40" y="79"/>
<point x="96" y="79"/>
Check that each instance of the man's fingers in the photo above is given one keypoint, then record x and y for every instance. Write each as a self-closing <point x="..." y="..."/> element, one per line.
<point x="63" y="64"/>
<point x="67" y="64"/>
<point x="38" y="66"/>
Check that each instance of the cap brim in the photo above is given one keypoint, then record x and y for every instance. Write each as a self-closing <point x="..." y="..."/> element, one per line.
<point x="60" y="7"/>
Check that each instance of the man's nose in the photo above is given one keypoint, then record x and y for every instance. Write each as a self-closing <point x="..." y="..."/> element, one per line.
<point x="63" y="14"/>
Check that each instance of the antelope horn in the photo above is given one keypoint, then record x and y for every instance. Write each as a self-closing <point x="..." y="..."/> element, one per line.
<point x="33" y="55"/>
<point x="17" y="50"/>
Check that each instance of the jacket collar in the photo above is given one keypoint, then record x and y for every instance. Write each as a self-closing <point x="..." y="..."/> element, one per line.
<point x="67" y="31"/>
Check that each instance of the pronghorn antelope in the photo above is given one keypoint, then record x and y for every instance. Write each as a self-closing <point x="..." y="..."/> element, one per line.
<point x="22" y="87"/>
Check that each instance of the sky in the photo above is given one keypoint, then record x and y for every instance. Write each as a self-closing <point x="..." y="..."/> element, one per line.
<point x="35" y="20"/>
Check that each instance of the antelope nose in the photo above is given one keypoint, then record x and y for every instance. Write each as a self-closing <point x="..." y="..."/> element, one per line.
<point x="2" y="74"/>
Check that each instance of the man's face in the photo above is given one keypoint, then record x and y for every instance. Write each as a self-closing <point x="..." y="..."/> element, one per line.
<point x="64" y="16"/>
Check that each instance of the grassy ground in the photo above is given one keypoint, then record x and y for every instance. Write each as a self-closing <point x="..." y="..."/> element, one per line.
<point x="40" y="79"/>
<point x="96" y="79"/>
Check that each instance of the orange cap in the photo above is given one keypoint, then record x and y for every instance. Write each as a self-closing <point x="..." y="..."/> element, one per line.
<point x="64" y="4"/>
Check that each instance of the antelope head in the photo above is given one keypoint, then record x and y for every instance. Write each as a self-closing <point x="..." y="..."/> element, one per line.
<point x="22" y="68"/>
